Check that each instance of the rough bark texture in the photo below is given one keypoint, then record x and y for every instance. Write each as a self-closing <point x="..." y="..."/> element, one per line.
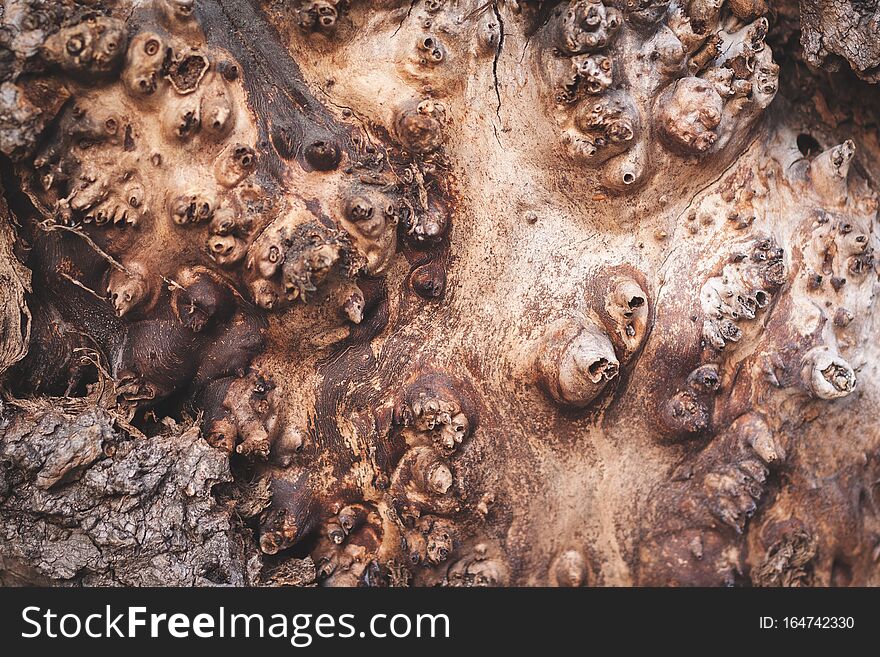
<point x="456" y="293"/>
<point x="842" y="29"/>
<point x="82" y="503"/>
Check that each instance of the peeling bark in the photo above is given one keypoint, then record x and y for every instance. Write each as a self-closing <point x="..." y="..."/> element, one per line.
<point x="418" y="293"/>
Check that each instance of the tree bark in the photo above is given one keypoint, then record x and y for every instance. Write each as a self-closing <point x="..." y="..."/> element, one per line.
<point x="439" y="293"/>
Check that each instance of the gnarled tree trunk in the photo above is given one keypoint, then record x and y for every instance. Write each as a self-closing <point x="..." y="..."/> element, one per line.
<point x="439" y="292"/>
